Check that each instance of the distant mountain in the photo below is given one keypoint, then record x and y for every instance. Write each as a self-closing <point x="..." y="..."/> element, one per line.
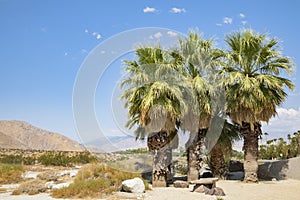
<point x="115" y="143"/>
<point x="22" y="135"/>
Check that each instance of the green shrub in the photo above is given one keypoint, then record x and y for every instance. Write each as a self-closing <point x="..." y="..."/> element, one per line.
<point x="133" y="151"/>
<point x="55" y="159"/>
<point x="63" y="159"/>
<point x="11" y="159"/>
<point x="84" y="158"/>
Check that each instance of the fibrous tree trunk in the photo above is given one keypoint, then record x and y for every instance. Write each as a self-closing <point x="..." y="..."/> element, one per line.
<point x="250" y="135"/>
<point x="161" y="150"/>
<point x="195" y="153"/>
<point x="217" y="161"/>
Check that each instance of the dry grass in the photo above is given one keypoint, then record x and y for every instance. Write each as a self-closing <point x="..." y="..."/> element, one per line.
<point x="93" y="181"/>
<point x="48" y="176"/>
<point x="3" y="190"/>
<point x="10" y="173"/>
<point x="31" y="187"/>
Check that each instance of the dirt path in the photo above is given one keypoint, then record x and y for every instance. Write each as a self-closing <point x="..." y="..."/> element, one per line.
<point x="234" y="190"/>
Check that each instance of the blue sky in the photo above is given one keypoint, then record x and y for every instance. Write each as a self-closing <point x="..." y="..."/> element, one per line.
<point x="44" y="43"/>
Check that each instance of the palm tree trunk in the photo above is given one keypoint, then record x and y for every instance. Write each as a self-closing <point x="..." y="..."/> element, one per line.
<point x="195" y="154"/>
<point x="162" y="157"/>
<point x="250" y="150"/>
<point x="217" y="162"/>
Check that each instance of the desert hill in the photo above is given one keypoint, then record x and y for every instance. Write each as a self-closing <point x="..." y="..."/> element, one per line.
<point x="22" y="135"/>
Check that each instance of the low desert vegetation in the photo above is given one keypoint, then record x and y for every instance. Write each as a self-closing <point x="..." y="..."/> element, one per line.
<point x="62" y="159"/>
<point x="31" y="187"/>
<point x="10" y="173"/>
<point x="53" y="158"/>
<point x="133" y="151"/>
<point x="95" y="180"/>
<point x="17" y="159"/>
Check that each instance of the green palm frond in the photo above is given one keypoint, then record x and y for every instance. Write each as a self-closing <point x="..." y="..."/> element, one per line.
<point x="251" y="76"/>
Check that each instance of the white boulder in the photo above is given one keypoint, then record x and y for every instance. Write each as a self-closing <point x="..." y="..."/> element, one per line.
<point x="61" y="185"/>
<point x="135" y="185"/>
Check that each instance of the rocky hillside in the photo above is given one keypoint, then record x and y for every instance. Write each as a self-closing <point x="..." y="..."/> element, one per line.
<point x="22" y="135"/>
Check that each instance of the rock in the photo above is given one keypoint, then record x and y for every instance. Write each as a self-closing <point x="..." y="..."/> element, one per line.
<point x="71" y="173"/>
<point x="61" y="185"/>
<point x="30" y="174"/>
<point x="49" y="184"/>
<point x="215" y="191"/>
<point x="274" y="179"/>
<point x="135" y="185"/>
<point x="263" y="172"/>
<point x="219" y="191"/>
<point x="181" y="184"/>
<point x="235" y="175"/>
<point x="236" y="166"/>
<point x="201" y="189"/>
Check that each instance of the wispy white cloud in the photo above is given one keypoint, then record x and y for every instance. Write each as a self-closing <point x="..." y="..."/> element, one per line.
<point x="86" y="30"/>
<point x="172" y="33"/>
<point x="218" y="24"/>
<point x="158" y="35"/>
<point x="98" y="36"/>
<point x="287" y="122"/>
<point x="244" y="22"/>
<point x="66" y="53"/>
<point x="242" y="15"/>
<point x="149" y="10"/>
<point x="177" y="10"/>
<point x="227" y="20"/>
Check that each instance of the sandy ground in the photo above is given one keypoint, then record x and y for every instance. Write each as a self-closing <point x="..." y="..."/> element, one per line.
<point x="234" y="190"/>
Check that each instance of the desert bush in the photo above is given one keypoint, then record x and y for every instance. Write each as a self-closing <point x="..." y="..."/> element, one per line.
<point x="83" y="158"/>
<point x="28" y="160"/>
<point x="95" y="180"/>
<point x="31" y="187"/>
<point x="55" y="159"/>
<point x="48" y="176"/>
<point x="133" y="151"/>
<point x="17" y="159"/>
<point x="10" y="173"/>
<point x="11" y="159"/>
<point x="63" y="159"/>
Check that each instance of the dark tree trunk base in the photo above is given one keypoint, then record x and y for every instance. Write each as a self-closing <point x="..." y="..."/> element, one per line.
<point x="161" y="166"/>
<point x="250" y="151"/>
<point x="195" y="154"/>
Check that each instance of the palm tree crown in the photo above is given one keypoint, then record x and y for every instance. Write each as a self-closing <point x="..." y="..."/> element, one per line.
<point x="154" y="94"/>
<point x="251" y="77"/>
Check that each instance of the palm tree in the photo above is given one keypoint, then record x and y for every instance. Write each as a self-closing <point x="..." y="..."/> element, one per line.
<point x="223" y="147"/>
<point x="254" y="86"/>
<point x="155" y="103"/>
<point x="198" y="64"/>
